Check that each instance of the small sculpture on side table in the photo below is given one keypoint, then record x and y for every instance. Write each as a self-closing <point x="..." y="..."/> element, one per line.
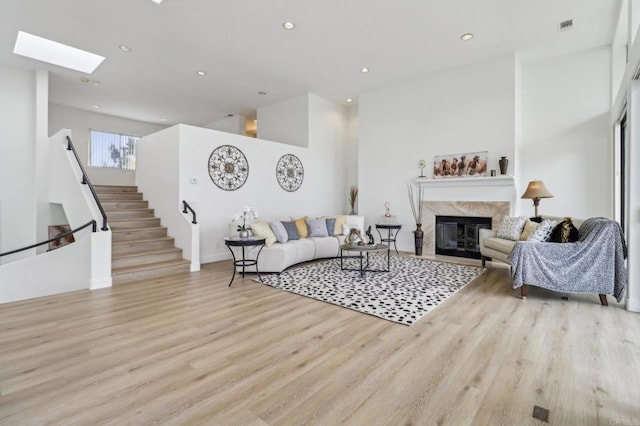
<point x="370" y="236"/>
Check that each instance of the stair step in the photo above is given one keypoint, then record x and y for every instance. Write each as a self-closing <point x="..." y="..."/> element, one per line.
<point x="137" y="223"/>
<point x="132" y="274"/>
<point x="111" y="205"/>
<point x="128" y="214"/>
<point x="114" y="188"/>
<point x="146" y="257"/>
<point x="119" y="196"/>
<point x="132" y="234"/>
<point x="140" y="245"/>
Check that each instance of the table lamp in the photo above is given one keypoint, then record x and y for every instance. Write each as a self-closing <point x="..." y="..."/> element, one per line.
<point x="535" y="191"/>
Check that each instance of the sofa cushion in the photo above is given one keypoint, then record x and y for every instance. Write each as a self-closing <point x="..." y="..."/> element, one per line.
<point x="262" y="229"/>
<point x="279" y="231"/>
<point x="511" y="227"/>
<point x="499" y="244"/>
<point x="305" y="249"/>
<point x="529" y="227"/>
<point x="292" y="230"/>
<point x="301" y="224"/>
<point x="317" y="227"/>
<point x="331" y="225"/>
<point x="543" y="231"/>
<point x="326" y="247"/>
<point x="340" y="221"/>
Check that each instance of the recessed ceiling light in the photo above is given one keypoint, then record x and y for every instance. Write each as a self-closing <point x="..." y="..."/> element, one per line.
<point x="124" y="48"/>
<point x="288" y="25"/>
<point x="348" y="100"/>
<point x="96" y="106"/>
<point x="364" y="69"/>
<point x="157" y="1"/>
<point x="163" y="119"/>
<point x="201" y="73"/>
<point x="261" y="93"/>
<point x="55" y="53"/>
<point x="85" y="80"/>
<point x="467" y="36"/>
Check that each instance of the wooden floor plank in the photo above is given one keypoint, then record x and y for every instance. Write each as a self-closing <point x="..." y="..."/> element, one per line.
<point x="189" y="349"/>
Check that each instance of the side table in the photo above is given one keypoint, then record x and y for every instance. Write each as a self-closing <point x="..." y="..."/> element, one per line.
<point x="392" y="233"/>
<point x="244" y="262"/>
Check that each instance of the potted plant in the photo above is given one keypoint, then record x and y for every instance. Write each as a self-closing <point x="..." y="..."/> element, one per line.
<point x="415" y="199"/>
<point x="247" y="213"/>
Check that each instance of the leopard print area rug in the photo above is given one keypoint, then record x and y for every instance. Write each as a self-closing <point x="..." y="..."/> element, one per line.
<point x="412" y="288"/>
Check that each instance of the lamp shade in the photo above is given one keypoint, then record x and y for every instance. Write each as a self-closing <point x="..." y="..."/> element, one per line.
<point x="536" y="189"/>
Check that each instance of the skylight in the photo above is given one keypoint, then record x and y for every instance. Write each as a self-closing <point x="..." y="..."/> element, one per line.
<point x="55" y="53"/>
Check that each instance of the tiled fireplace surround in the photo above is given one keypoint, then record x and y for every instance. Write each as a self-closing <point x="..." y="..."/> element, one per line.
<point x="484" y="197"/>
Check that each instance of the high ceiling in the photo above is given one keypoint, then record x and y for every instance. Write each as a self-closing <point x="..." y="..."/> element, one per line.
<point x="244" y="49"/>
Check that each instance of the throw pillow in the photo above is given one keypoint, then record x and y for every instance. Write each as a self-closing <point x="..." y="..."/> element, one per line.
<point x="292" y="230"/>
<point x="279" y="231"/>
<point x="565" y="232"/>
<point x="340" y="221"/>
<point x="529" y="228"/>
<point x="346" y="229"/>
<point x="262" y="229"/>
<point x="543" y="231"/>
<point x="317" y="228"/>
<point x="302" y="227"/>
<point x="331" y="225"/>
<point x="511" y="227"/>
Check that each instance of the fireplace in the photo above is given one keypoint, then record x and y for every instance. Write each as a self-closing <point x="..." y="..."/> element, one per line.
<point x="458" y="235"/>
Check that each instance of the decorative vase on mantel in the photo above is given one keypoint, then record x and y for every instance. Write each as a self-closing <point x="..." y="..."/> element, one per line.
<point x="418" y="235"/>
<point x="504" y="165"/>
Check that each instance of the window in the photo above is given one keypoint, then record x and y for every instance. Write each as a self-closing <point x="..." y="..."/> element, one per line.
<point x="113" y="151"/>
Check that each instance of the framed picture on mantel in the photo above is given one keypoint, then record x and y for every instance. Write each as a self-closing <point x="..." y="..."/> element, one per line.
<point x="469" y="164"/>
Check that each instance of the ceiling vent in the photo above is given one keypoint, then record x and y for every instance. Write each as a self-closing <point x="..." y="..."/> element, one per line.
<point x="565" y="25"/>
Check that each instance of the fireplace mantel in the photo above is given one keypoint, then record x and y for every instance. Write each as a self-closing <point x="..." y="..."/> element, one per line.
<point x="507" y="181"/>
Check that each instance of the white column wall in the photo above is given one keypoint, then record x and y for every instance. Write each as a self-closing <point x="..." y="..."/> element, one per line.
<point x="17" y="174"/>
<point x="465" y="109"/>
<point x="566" y="137"/>
<point x="633" y="200"/>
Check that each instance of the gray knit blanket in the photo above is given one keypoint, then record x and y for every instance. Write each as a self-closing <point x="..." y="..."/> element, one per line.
<point x="594" y="264"/>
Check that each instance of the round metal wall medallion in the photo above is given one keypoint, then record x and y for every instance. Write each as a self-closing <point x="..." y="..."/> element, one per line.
<point x="289" y="172"/>
<point x="228" y="167"/>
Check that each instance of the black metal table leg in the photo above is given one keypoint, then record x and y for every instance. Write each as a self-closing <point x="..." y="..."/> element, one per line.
<point x="234" y="265"/>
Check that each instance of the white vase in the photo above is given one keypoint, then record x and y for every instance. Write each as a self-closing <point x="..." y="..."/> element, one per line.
<point x="243" y="234"/>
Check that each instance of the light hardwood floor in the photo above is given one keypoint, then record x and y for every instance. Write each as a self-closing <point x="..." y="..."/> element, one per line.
<point x="190" y="350"/>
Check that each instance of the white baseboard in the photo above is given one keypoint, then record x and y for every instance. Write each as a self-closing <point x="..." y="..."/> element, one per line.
<point x="194" y="267"/>
<point x="215" y="258"/>
<point x="633" y="305"/>
<point x="96" y="283"/>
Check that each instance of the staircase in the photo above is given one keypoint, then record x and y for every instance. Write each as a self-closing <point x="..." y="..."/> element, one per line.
<point x="141" y="248"/>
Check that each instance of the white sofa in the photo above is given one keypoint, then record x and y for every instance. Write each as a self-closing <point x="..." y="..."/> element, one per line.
<point x="277" y="257"/>
<point x="500" y="248"/>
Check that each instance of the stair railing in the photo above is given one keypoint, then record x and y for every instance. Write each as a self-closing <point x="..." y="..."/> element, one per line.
<point x="185" y="207"/>
<point x="86" y="181"/>
<point x="56" y="238"/>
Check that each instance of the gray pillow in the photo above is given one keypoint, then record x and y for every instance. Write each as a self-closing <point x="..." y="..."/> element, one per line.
<point x="279" y="231"/>
<point x="317" y="227"/>
<point x="331" y="225"/>
<point x="292" y="230"/>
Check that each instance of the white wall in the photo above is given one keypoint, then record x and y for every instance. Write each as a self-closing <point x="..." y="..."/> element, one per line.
<point x="286" y="121"/>
<point x="351" y="153"/>
<point x="185" y="150"/>
<point x="234" y="124"/>
<point x="566" y="137"/>
<point x="80" y="122"/>
<point x="460" y="110"/>
<point x="17" y="162"/>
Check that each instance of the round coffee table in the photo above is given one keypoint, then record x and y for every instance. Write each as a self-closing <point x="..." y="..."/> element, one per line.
<point x="363" y="251"/>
